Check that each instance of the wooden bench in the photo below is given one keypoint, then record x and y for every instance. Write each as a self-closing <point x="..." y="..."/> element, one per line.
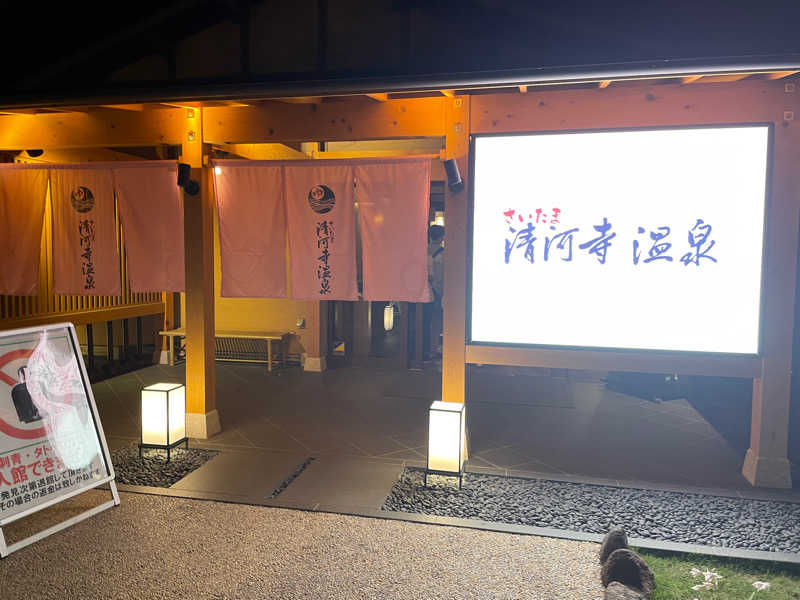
<point x="268" y="336"/>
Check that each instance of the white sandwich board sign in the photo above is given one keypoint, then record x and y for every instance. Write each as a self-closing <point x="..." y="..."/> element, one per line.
<point x="52" y="445"/>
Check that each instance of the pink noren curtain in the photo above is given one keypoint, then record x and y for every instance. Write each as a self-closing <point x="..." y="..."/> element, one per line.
<point x="22" y="199"/>
<point x="85" y="257"/>
<point x="319" y="207"/>
<point x="252" y="231"/>
<point x="393" y="215"/>
<point x="152" y="220"/>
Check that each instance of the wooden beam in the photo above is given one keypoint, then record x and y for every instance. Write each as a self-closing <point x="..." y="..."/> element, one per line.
<point x="426" y="145"/>
<point x="725" y="78"/>
<point x="182" y="104"/>
<point x="69" y="109"/>
<point x="350" y="119"/>
<point x="602" y="360"/>
<point x="98" y="315"/>
<point x="79" y="155"/>
<point x="691" y="79"/>
<point x="780" y="74"/>
<point x="300" y="100"/>
<point x="604" y="84"/>
<point x="131" y="107"/>
<point x="103" y="128"/>
<point x="20" y="111"/>
<point x="621" y="106"/>
<point x="372" y="154"/>
<point x="382" y="97"/>
<point x="203" y="104"/>
<point x="263" y="151"/>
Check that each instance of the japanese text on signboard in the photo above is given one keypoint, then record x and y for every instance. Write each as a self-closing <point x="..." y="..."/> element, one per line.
<point x="539" y="234"/>
<point x="35" y="472"/>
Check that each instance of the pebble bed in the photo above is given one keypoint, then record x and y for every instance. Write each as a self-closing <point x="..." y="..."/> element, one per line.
<point x="153" y="469"/>
<point x="669" y="516"/>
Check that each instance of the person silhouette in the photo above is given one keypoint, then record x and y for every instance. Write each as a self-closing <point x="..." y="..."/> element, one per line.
<point x="26" y="409"/>
<point x="432" y="311"/>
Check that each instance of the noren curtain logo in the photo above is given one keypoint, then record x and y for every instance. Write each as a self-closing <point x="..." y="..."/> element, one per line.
<point x="82" y="199"/>
<point x="321" y="199"/>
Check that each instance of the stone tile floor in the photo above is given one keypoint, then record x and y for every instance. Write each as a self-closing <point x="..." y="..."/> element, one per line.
<point x="519" y="424"/>
<point x="364" y="426"/>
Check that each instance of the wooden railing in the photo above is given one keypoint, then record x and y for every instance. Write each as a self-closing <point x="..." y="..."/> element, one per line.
<point x="49" y="307"/>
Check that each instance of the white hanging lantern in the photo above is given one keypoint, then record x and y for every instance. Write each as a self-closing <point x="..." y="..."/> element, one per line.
<point x="388" y="317"/>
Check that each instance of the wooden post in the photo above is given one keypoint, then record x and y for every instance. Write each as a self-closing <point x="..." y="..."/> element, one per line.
<point x="167" y="346"/>
<point x="202" y="419"/>
<point x="455" y="255"/>
<point x="139" y="338"/>
<point x="110" y="341"/>
<point x="317" y="340"/>
<point x="362" y="331"/>
<point x="419" y="324"/>
<point x="125" y="341"/>
<point x="89" y="347"/>
<point x="766" y="463"/>
<point x="404" y="325"/>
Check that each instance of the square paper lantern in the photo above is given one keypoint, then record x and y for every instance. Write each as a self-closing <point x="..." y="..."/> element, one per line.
<point x="447" y="440"/>
<point x="163" y="417"/>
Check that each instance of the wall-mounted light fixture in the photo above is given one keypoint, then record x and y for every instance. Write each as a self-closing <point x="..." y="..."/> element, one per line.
<point x="454" y="181"/>
<point x="185" y="181"/>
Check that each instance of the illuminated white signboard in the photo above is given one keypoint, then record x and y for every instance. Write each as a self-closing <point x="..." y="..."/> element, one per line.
<point x="644" y="239"/>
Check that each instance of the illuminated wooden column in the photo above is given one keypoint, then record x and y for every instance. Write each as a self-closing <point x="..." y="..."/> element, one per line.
<point x="766" y="463"/>
<point x="202" y="419"/>
<point x="455" y="254"/>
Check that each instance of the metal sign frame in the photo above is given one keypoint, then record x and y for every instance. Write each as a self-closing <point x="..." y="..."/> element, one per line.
<point x="6" y="549"/>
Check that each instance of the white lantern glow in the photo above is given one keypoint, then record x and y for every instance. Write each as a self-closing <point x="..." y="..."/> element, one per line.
<point x="388" y="317"/>
<point x="163" y="416"/>
<point x="447" y="440"/>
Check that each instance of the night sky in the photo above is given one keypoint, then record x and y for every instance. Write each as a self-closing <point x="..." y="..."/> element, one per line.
<point x="472" y="35"/>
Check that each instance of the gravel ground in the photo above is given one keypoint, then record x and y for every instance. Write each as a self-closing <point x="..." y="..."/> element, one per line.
<point x="172" y="548"/>
<point x="670" y="516"/>
<point x="153" y="469"/>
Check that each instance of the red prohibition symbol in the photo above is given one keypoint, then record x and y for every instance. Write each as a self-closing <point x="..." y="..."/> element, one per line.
<point x="7" y="428"/>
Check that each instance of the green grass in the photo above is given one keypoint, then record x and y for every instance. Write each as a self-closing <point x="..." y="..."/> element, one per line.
<point x="673" y="581"/>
